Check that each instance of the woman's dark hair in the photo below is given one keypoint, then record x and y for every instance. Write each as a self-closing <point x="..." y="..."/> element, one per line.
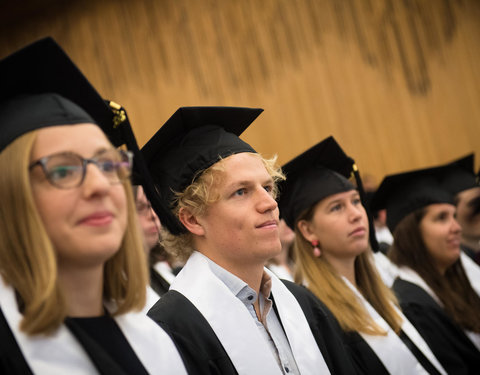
<point x="453" y="289"/>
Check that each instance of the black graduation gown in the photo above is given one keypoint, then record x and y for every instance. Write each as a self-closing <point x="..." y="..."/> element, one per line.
<point x="448" y="342"/>
<point x="203" y="353"/>
<point x="158" y="283"/>
<point x="364" y="358"/>
<point x="13" y="362"/>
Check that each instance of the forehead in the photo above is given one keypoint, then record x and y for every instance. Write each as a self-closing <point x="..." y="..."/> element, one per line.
<point x="339" y="196"/>
<point x="439" y="207"/>
<point x="242" y="167"/>
<point x="84" y="139"/>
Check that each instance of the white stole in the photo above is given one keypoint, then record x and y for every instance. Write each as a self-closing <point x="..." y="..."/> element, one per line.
<point x="387" y="270"/>
<point x="152" y="299"/>
<point x="60" y="353"/>
<point x="472" y="270"/>
<point x="235" y="327"/>
<point x="164" y="270"/>
<point x="390" y="349"/>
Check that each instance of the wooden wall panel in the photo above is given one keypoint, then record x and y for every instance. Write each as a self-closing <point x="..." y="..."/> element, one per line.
<point x="396" y="82"/>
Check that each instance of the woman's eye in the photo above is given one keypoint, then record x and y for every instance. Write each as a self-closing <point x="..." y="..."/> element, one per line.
<point x="442" y="217"/>
<point x="62" y="172"/>
<point x="268" y="188"/>
<point x="108" y="165"/>
<point x="336" y="207"/>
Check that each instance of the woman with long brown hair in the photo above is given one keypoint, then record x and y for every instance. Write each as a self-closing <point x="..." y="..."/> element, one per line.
<point x="432" y="286"/>
<point x="334" y="261"/>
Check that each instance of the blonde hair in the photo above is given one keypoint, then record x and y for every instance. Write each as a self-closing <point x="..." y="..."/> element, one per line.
<point x="326" y="283"/>
<point x="28" y="259"/>
<point x="199" y="195"/>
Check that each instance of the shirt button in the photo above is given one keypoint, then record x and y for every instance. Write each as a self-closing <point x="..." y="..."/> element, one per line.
<point x="287" y="369"/>
<point x="250" y="297"/>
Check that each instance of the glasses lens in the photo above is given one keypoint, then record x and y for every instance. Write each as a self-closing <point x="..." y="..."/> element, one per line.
<point x="116" y="165"/>
<point x="64" y="170"/>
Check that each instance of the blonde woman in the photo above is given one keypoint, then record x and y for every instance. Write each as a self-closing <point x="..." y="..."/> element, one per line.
<point x="226" y="312"/>
<point x="72" y="267"/>
<point x="334" y="260"/>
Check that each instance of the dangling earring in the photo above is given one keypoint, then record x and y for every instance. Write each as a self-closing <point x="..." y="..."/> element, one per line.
<point x="316" y="251"/>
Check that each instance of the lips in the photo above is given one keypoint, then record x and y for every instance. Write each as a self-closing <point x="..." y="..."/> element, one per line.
<point x="360" y="231"/>
<point x="268" y="224"/>
<point x="454" y="242"/>
<point x="100" y="218"/>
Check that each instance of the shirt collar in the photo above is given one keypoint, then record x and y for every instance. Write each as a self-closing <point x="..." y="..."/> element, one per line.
<point x="239" y="287"/>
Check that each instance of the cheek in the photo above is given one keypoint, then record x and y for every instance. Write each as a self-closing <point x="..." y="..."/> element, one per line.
<point x="119" y="199"/>
<point x="51" y="208"/>
<point x="434" y="236"/>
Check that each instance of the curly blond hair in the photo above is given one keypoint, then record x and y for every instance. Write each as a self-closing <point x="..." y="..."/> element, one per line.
<point x="199" y="195"/>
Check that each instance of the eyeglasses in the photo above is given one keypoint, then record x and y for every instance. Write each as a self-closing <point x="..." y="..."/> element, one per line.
<point x="67" y="170"/>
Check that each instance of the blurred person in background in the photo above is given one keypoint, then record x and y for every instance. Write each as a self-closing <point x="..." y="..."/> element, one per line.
<point x="432" y="287"/>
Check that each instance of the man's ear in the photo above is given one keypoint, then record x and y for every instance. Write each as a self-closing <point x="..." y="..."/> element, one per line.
<point x="189" y="220"/>
<point x="304" y="228"/>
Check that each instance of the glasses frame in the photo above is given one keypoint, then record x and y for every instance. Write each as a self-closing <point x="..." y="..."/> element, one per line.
<point x="85" y="161"/>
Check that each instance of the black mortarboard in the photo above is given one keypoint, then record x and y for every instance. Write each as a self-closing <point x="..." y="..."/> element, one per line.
<point x="407" y="192"/>
<point x="40" y="86"/>
<point x="319" y="172"/>
<point x="460" y="175"/>
<point x="192" y="140"/>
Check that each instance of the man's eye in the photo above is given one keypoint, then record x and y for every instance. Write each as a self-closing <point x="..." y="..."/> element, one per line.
<point x="240" y="192"/>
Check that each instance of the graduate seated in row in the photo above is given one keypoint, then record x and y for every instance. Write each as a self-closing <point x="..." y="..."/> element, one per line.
<point x="72" y="267"/>
<point x="463" y="183"/>
<point x="226" y="312"/>
<point x="432" y="287"/>
<point x="334" y="260"/>
<point x="161" y="272"/>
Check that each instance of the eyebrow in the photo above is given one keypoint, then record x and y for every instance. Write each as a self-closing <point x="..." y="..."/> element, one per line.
<point x="354" y="194"/>
<point x="247" y="183"/>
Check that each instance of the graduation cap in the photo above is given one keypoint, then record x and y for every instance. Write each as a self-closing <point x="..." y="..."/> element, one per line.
<point x="193" y="139"/>
<point x="407" y="192"/>
<point x="40" y="86"/>
<point x="460" y="175"/>
<point x="319" y="172"/>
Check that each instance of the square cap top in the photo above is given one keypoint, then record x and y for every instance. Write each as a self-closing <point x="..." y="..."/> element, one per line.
<point x="460" y="175"/>
<point x="40" y="86"/>
<point x="403" y="193"/>
<point x="317" y="173"/>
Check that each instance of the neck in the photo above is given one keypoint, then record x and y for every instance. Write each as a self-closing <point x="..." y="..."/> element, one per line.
<point x="345" y="267"/>
<point x="251" y="274"/>
<point x="83" y="291"/>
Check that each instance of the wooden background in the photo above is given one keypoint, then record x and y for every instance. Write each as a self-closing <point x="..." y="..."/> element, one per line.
<point x="396" y="82"/>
